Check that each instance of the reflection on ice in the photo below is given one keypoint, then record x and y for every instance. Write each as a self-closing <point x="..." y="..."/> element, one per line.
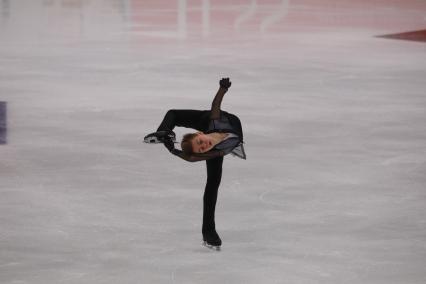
<point x="189" y="20"/>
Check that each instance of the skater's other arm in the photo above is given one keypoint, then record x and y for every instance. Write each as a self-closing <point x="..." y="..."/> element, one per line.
<point x="225" y="84"/>
<point x="195" y="157"/>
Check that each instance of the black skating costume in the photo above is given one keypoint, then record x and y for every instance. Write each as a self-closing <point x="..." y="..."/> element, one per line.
<point x="208" y="121"/>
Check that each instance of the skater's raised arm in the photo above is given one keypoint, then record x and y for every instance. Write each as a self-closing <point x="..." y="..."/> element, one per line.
<point x="225" y="84"/>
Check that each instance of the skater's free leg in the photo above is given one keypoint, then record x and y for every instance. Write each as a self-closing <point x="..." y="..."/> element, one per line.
<point x="184" y="118"/>
<point x="214" y="176"/>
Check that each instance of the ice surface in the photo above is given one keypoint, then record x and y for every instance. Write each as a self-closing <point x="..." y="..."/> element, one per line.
<point x="333" y="190"/>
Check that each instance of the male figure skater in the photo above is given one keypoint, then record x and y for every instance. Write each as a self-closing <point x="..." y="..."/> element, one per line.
<point x="219" y="133"/>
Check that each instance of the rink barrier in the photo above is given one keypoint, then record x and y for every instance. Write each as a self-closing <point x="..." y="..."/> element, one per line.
<point x="3" y="123"/>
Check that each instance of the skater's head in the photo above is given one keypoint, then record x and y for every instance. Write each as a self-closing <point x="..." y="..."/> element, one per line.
<point x="196" y="143"/>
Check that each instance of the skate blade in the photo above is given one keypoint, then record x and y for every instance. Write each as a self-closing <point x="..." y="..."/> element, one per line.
<point x="151" y="140"/>
<point x="155" y="140"/>
<point x="216" y="248"/>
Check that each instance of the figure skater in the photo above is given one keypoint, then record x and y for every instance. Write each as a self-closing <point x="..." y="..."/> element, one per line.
<point x="219" y="133"/>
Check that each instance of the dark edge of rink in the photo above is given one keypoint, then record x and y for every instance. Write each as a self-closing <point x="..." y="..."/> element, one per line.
<point x="3" y="123"/>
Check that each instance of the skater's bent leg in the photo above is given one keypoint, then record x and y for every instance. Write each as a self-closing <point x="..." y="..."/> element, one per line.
<point x="184" y="118"/>
<point x="214" y="176"/>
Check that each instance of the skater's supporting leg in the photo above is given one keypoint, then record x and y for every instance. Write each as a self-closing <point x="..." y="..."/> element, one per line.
<point x="214" y="176"/>
<point x="195" y="119"/>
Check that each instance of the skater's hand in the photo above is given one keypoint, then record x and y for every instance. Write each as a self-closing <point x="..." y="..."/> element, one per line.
<point x="225" y="83"/>
<point x="169" y="144"/>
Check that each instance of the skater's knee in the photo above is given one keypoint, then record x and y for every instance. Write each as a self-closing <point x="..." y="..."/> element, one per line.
<point x="171" y="112"/>
<point x="170" y="115"/>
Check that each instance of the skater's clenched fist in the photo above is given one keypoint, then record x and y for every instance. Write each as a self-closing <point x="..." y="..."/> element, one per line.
<point x="225" y="83"/>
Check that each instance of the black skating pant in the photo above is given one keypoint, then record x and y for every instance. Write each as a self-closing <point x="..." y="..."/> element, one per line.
<point x="199" y="120"/>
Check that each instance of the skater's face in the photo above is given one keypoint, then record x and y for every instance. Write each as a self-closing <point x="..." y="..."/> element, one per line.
<point x="202" y="143"/>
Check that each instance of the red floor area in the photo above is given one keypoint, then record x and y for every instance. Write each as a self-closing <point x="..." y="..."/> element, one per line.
<point x="414" y="36"/>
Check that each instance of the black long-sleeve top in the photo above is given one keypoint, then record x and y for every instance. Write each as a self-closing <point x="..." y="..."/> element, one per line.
<point x="219" y="121"/>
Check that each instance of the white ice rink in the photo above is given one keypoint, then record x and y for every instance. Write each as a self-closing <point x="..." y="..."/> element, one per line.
<point x="333" y="190"/>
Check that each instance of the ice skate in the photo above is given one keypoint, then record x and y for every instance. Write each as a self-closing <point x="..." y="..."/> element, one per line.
<point x="159" y="137"/>
<point x="212" y="240"/>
